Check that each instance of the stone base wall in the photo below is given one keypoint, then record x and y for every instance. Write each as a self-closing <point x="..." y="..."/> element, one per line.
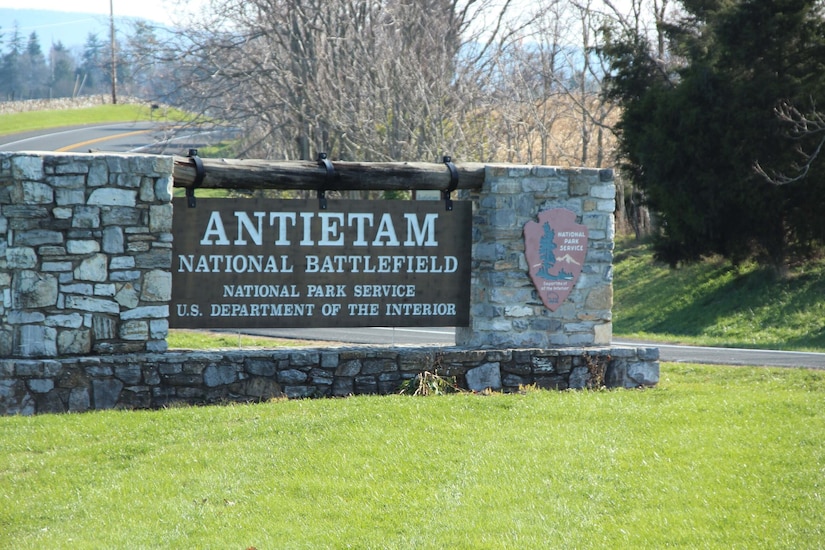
<point x="155" y="380"/>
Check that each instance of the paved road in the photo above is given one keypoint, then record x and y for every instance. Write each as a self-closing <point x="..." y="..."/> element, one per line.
<point x="445" y="336"/>
<point x="120" y="137"/>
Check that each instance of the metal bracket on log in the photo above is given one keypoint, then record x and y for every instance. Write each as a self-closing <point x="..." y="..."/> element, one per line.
<point x="326" y="163"/>
<point x="199" y="175"/>
<point x="448" y="201"/>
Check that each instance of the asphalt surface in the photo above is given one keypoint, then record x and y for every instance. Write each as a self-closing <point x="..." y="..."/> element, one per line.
<point x="445" y="336"/>
<point x="156" y="138"/>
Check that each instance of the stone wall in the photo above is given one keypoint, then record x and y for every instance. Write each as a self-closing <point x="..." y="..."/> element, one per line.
<point x="504" y="306"/>
<point x="85" y="254"/>
<point x="154" y="380"/>
<point x="85" y="291"/>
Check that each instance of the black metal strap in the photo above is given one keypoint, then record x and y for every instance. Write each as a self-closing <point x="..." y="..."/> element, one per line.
<point x="199" y="175"/>
<point x="326" y="163"/>
<point x="448" y="201"/>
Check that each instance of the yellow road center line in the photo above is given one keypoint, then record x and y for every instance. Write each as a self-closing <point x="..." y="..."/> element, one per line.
<point x="98" y="140"/>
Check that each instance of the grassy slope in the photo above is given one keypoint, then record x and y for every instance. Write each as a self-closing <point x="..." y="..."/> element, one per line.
<point x="715" y="303"/>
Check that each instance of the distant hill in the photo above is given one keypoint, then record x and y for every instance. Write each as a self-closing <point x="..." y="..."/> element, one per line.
<point x="71" y="29"/>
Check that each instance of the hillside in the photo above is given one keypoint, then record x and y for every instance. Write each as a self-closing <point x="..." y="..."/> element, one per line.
<point x="716" y="303"/>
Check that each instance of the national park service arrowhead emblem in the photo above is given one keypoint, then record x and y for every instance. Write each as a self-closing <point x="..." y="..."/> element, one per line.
<point x="555" y="248"/>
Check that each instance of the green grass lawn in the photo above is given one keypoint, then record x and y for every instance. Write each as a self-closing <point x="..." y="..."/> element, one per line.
<point x="715" y="303"/>
<point x="714" y="457"/>
<point x="38" y="120"/>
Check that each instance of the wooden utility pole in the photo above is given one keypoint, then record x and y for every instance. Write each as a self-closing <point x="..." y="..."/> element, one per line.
<point x="114" y="60"/>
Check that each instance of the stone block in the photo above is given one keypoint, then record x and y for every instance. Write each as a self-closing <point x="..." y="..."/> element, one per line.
<point x="157" y="286"/>
<point x="486" y="376"/>
<point x="74" y="342"/>
<point x="106" y="393"/>
<point x="110" y="196"/>
<point x="160" y="218"/>
<point x="291" y="377"/>
<point x="27" y="167"/>
<point x="218" y="375"/>
<point x="94" y="268"/>
<point x="82" y="246"/>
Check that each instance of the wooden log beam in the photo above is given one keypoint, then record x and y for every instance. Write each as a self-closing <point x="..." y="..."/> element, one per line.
<point x="308" y="175"/>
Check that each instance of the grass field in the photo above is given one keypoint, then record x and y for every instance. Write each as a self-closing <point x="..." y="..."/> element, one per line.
<point x="713" y="458"/>
<point x="38" y="120"/>
<point x="717" y="304"/>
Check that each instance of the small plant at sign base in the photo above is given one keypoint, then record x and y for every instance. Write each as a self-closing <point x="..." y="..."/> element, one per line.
<point x="429" y="383"/>
<point x="595" y="372"/>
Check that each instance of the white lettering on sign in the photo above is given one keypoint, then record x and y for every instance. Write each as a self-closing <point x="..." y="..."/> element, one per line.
<point x="261" y="291"/>
<point x="333" y="229"/>
<point x="261" y="310"/>
<point x="239" y="263"/>
<point x="381" y="264"/>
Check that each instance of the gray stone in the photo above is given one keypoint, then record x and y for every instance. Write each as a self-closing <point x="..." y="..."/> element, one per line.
<point x="82" y="247"/>
<point x="92" y="305"/>
<point x="36" y="341"/>
<point x="74" y="342"/>
<point x="127" y="296"/>
<point x="92" y="269"/>
<point x="87" y="217"/>
<point x="70" y="320"/>
<point x="164" y="189"/>
<point x="128" y="374"/>
<point x="348" y="368"/>
<point x="109" y="196"/>
<point x="158" y="329"/>
<point x="106" y="393"/>
<point x="146" y="312"/>
<point x="33" y="290"/>
<point x="98" y="174"/>
<point x="578" y="378"/>
<point x="28" y="167"/>
<point x="105" y="289"/>
<point x="21" y="257"/>
<point x="41" y="385"/>
<point x="122" y="262"/>
<point x="218" y="375"/>
<point x="292" y="377"/>
<point x="32" y="192"/>
<point x="123" y="276"/>
<point x="260" y="367"/>
<point x="643" y="374"/>
<point x="484" y="376"/>
<point x="160" y="218"/>
<point x="79" y="400"/>
<point x="37" y="237"/>
<point x="134" y="330"/>
<point x="157" y="286"/>
<point x="69" y="197"/>
<point x="157" y="346"/>
<point x="113" y="241"/>
<point x="156" y="258"/>
<point x="120" y="215"/>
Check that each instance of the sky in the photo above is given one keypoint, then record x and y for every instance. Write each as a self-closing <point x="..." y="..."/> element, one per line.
<point x="156" y="10"/>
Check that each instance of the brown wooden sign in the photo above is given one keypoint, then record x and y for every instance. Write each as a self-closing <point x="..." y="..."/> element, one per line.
<point x="242" y="263"/>
<point x="555" y="248"/>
